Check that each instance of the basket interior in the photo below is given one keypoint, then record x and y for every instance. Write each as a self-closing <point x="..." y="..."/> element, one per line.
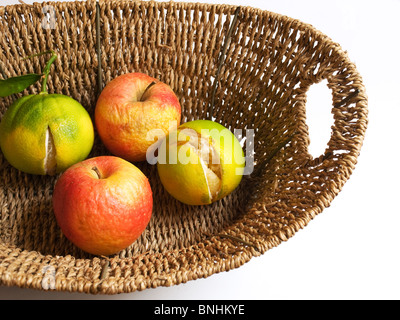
<point x="269" y="64"/>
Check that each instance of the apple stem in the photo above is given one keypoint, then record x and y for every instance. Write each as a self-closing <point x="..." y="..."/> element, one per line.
<point x="148" y="87"/>
<point x="96" y="170"/>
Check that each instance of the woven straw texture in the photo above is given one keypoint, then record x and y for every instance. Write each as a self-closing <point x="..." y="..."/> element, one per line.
<point x="248" y="68"/>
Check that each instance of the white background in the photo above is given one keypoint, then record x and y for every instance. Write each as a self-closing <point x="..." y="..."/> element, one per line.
<point x="351" y="250"/>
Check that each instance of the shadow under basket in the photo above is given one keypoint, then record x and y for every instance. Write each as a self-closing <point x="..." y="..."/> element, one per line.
<point x="246" y="68"/>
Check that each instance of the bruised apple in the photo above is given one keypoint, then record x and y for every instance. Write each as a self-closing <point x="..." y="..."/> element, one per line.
<point x="102" y="204"/>
<point x="131" y="106"/>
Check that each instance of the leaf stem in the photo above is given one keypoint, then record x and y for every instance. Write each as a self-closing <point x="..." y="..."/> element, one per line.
<point x="46" y="70"/>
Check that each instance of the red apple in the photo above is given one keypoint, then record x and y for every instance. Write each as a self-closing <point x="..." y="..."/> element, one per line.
<point x="129" y="108"/>
<point x="103" y="204"/>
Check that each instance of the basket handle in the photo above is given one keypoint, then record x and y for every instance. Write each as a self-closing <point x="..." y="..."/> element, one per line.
<point x="350" y="122"/>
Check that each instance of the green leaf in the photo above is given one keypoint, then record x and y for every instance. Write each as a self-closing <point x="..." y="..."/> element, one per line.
<point x="17" y="84"/>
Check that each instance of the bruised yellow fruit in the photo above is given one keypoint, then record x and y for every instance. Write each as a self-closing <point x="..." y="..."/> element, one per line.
<point x="46" y="133"/>
<point x="201" y="162"/>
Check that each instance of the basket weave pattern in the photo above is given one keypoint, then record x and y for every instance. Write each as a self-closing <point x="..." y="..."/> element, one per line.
<point x="263" y="76"/>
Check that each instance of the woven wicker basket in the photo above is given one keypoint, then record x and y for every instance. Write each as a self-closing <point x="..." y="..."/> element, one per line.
<point x="248" y="68"/>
